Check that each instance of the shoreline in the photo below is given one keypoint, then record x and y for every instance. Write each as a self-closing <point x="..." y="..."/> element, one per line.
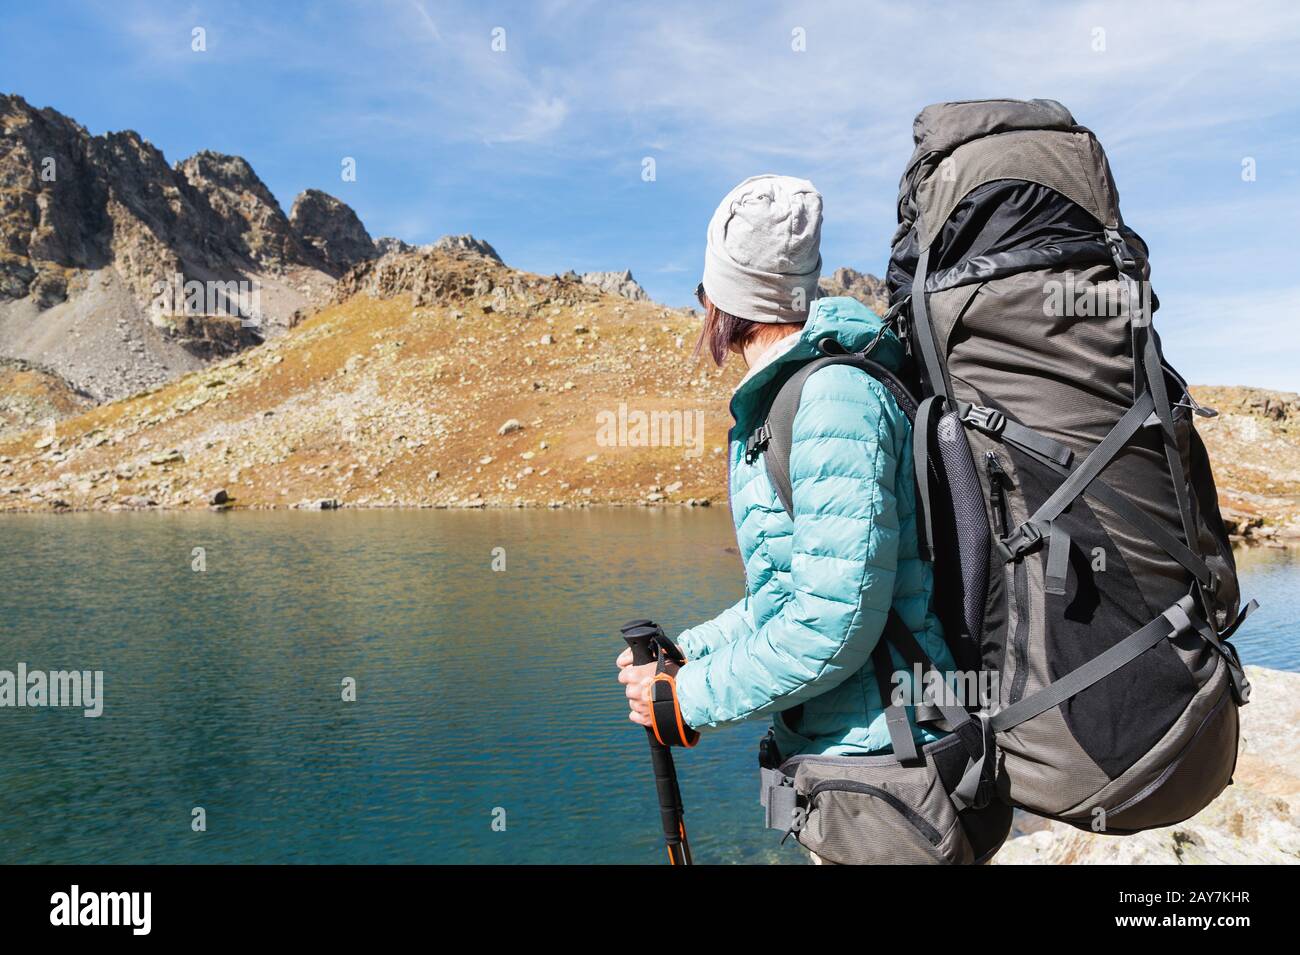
<point x="315" y="506"/>
<point x="1285" y="538"/>
<point x="333" y="504"/>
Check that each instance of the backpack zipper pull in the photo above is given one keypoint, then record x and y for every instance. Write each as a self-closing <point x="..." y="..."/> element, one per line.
<point x="998" y="481"/>
<point x="1200" y="410"/>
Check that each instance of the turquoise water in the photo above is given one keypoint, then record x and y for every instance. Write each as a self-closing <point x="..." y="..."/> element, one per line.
<point x="477" y="690"/>
<point x="1271" y="637"/>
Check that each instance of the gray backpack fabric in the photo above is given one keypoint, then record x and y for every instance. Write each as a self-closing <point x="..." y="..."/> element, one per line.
<point x="1068" y="502"/>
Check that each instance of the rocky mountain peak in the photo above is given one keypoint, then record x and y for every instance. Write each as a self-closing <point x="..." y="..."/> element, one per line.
<point x="467" y="244"/>
<point x="332" y="230"/>
<point x="100" y="237"/>
<point x="617" y="283"/>
<point x="46" y="187"/>
<point x="863" y="286"/>
<point x="389" y="245"/>
<point x="243" y="210"/>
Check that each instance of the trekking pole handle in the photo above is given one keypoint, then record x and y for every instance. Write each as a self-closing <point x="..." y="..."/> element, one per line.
<point x="640" y="635"/>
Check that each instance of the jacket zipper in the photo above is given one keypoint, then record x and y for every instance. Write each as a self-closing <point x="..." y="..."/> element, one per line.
<point x="731" y="513"/>
<point x="913" y="818"/>
<point x="998" y="482"/>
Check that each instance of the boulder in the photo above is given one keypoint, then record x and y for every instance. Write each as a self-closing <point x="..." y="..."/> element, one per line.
<point x="321" y="504"/>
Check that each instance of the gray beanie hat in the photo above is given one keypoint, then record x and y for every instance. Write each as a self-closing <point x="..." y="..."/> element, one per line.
<point x="763" y="256"/>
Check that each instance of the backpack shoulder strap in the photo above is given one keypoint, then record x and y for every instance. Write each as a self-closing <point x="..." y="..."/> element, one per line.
<point x="775" y="435"/>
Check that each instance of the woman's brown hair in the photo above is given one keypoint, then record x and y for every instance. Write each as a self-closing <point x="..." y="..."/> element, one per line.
<point x="722" y="331"/>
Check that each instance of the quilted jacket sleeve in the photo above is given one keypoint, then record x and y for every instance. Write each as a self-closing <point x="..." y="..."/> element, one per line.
<point x="844" y="555"/>
<point x="732" y="624"/>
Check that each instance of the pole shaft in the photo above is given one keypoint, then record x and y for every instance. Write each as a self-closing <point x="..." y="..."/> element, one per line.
<point x="641" y="640"/>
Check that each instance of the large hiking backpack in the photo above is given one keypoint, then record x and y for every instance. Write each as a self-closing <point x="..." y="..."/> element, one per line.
<point x="1066" y="498"/>
<point x="1095" y="575"/>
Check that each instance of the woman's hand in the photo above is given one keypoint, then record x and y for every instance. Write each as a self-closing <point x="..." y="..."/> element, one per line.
<point x="637" y="679"/>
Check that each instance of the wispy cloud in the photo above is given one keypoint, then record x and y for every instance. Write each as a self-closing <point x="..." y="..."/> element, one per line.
<point x="539" y="120"/>
<point x="422" y="14"/>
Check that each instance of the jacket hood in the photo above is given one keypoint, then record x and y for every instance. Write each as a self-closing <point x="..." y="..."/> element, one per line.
<point x="844" y="319"/>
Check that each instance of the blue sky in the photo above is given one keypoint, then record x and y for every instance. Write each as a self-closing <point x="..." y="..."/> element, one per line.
<point x="539" y="148"/>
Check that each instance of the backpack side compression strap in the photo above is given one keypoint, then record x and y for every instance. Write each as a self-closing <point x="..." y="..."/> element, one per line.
<point x="1174" y="621"/>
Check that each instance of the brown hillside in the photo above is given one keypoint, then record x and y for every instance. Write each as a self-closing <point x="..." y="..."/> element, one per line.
<point x="399" y="400"/>
<point x="395" y="396"/>
<point x="33" y="397"/>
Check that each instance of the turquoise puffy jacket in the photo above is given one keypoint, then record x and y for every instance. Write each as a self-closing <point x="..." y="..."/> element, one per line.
<point x="818" y="587"/>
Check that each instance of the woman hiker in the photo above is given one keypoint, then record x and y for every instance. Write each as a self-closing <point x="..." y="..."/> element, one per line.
<point x="797" y="648"/>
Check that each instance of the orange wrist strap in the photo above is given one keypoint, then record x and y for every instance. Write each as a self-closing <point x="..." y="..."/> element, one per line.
<point x="666" y="713"/>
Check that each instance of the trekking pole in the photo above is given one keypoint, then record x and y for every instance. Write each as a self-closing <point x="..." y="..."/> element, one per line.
<point x="642" y="637"/>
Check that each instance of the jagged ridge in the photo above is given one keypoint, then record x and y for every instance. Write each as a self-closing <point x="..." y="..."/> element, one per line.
<point x="92" y="227"/>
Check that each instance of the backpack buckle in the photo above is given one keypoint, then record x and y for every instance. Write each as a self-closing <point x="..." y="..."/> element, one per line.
<point x="989" y="420"/>
<point x="757" y="442"/>
<point x="769" y="757"/>
<point x="897" y="317"/>
<point x="1120" y="252"/>
<point x="1024" y="539"/>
